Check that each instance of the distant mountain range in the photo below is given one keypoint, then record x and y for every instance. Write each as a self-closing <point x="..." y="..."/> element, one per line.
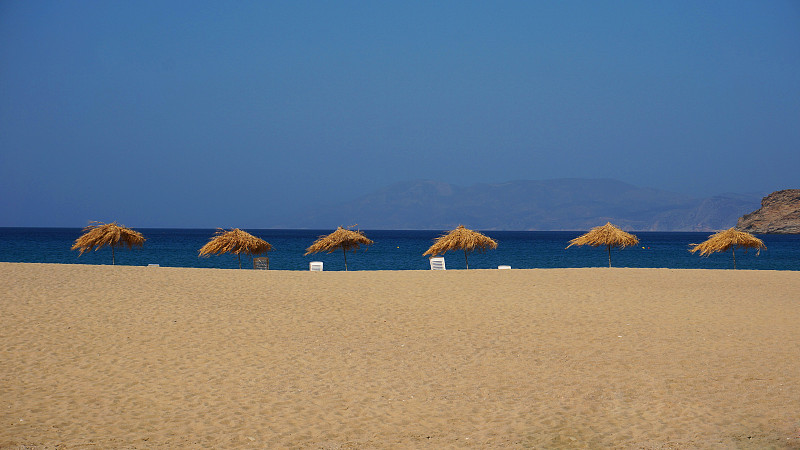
<point x="562" y="204"/>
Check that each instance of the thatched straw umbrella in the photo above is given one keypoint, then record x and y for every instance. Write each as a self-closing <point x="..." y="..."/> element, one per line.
<point x="461" y="239"/>
<point x="340" y="239"/>
<point x="728" y="239"/>
<point x="235" y="241"/>
<point x="98" y="234"/>
<point x="607" y="235"/>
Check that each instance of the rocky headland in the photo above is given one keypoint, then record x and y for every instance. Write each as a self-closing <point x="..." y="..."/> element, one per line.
<point x="779" y="213"/>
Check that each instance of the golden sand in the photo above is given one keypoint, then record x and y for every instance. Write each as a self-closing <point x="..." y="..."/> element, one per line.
<point x="139" y="357"/>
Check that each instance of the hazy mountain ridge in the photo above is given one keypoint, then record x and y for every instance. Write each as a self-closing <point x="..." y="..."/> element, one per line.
<point x="560" y="204"/>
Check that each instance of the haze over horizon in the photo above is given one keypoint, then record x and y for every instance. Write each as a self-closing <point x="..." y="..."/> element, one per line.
<point x="205" y="114"/>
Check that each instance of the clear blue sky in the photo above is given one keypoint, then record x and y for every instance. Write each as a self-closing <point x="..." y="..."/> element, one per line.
<point x="210" y="113"/>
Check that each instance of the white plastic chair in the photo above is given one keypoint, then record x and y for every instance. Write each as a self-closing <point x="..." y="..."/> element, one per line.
<point x="437" y="263"/>
<point x="315" y="266"/>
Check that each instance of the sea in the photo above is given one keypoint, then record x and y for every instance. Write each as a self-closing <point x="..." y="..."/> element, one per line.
<point x="398" y="250"/>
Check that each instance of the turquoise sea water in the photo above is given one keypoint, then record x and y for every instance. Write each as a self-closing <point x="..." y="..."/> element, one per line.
<point x="398" y="250"/>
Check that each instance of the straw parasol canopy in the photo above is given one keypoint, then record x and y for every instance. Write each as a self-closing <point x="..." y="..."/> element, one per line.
<point x="728" y="239"/>
<point x="607" y="235"/>
<point x="340" y="239"/>
<point x="98" y="234"/>
<point x="235" y="241"/>
<point x="461" y="239"/>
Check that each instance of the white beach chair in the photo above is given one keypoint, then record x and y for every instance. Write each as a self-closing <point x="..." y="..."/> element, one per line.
<point x="437" y="263"/>
<point x="315" y="266"/>
<point x="504" y="267"/>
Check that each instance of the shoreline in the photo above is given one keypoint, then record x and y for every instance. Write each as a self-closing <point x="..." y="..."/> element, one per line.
<point x="513" y="269"/>
<point x="172" y="357"/>
<point x="403" y="251"/>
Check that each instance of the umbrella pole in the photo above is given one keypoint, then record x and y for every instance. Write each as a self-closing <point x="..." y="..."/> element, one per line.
<point x="465" y="258"/>
<point x="345" y="259"/>
<point x="240" y="259"/>
<point x="112" y="256"/>
<point x="733" y="250"/>
<point x="609" y="255"/>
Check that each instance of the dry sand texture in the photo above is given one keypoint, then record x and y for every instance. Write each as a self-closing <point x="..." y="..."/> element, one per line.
<point x="137" y="357"/>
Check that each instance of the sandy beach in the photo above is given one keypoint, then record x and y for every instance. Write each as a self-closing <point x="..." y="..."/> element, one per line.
<point x="139" y="357"/>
